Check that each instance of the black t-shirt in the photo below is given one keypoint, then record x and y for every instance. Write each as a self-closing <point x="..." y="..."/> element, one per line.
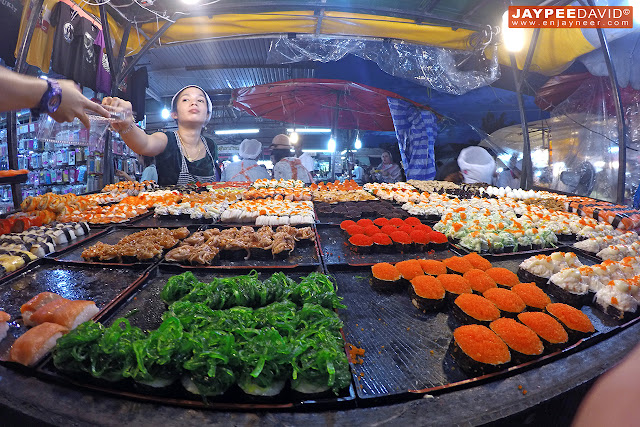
<point x="10" y="15"/>
<point x="169" y="162"/>
<point x="74" y="53"/>
<point x="136" y="91"/>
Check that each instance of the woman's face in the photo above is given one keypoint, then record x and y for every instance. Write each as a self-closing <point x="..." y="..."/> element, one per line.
<point x="386" y="158"/>
<point x="191" y="106"/>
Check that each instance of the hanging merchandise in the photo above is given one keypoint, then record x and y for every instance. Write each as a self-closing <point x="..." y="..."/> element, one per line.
<point x="74" y="53"/>
<point x="39" y="54"/>
<point x="136" y="91"/>
<point x="10" y="12"/>
<point x="103" y="73"/>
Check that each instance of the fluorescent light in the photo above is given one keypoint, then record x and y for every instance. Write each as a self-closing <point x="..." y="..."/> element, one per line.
<point x="236" y="158"/>
<point x="358" y="144"/>
<point x="294" y="137"/>
<point x="310" y="130"/>
<point x="235" y="131"/>
<point x="316" y="151"/>
<point x="614" y="149"/>
<point x="513" y="38"/>
<point x="331" y="147"/>
<point x="165" y="114"/>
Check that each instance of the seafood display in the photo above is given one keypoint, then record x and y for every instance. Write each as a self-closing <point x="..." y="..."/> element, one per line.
<point x="269" y="212"/>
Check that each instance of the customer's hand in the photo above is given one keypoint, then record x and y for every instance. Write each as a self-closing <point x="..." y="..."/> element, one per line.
<point x="120" y="105"/>
<point x="73" y="104"/>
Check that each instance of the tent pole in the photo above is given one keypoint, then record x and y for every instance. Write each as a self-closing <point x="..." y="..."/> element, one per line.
<point x="525" y="176"/>
<point x="622" y="125"/>
<point x="12" y="118"/>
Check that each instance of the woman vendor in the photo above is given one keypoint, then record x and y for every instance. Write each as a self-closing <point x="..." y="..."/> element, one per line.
<point x="388" y="171"/>
<point x="181" y="156"/>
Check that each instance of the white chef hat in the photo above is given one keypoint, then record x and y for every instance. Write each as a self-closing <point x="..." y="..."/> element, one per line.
<point x="209" y="105"/>
<point x="250" y="149"/>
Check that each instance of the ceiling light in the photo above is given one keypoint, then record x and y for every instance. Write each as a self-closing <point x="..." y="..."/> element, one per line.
<point x="513" y="38"/>
<point x="235" y="131"/>
<point x="332" y="145"/>
<point x="190" y="2"/>
<point x="310" y="130"/>
<point x="165" y="114"/>
<point x="236" y="158"/>
<point x="294" y="137"/>
<point x="358" y="144"/>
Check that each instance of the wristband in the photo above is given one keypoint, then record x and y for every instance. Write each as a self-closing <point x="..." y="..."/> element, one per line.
<point x="129" y="129"/>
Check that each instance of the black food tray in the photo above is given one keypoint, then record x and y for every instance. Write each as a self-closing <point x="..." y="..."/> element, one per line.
<point x="335" y="250"/>
<point x="101" y="285"/>
<point x="305" y="254"/>
<point x="407" y="351"/>
<point x="491" y="255"/>
<point x="127" y="222"/>
<point x="167" y="221"/>
<point x="144" y="308"/>
<point x="93" y="233"/>
<point x="357" y="210"/>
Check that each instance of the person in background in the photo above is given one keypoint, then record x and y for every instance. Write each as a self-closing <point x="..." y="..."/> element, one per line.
<point x="60" y="99"/>
<point x="449" y="172"/>
<point x="181" y="156"/>
<point x="247" y="169"/>
<point x="285" y="166"/>
<point x="476" y="165"/>
<point x="387" y="170"/>
<point x="510" y="177"/>
<point x="150" y="173"/>
<point x="358" y="172"/>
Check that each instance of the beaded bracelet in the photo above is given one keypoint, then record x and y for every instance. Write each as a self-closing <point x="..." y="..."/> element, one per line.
<point x="129" y="129"/>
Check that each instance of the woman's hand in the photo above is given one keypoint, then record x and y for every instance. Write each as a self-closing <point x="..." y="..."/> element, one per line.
<point x="73" y="104"/>
<point x="120" y="105"/>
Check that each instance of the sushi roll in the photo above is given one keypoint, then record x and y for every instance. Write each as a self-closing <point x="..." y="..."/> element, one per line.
<point x="427" y="293"/>
<point x="45" y="312"/>
<point x="524" y="344"/>
<point x="568" y="287"/>
<point x="477" y="261"/>
<point x="84" y="226"/>
<point x="509" y="303"/>
<point x="616" y="300"/>
<point x="532" y="295"/>
<point x="438" y="241"/>
<point x="382" y="243"/>
<point x="479" y="280"/>
<point x="474" y="309"/>
<point x="478" y="350"/>
<point x="68" y="231"/>
<point x="503" y="277"/>
<point x="454" y="285"/>
<point x="432" y="267"/>
<point x="457" y="265"/>
<point x="538" y="269"/>
<point x="34" y="344"/>
<point x="361" y="243"/>
<point x="370" y="230"/>
<point x="58" y="236"/>
<point x="386" y="278"/>
<point x="576" y="323"/>
<point x="402" y="241"/>
<point x="409" y="269"/>
<point x="552" y="334"/>
<point x="4" y="325"/>
<point x="420" y="240"/>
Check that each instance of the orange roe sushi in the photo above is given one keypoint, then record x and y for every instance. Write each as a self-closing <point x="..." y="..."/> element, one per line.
<point x="388" y="229"/>
<point x="426" y="293"/>
<point x="409" y="268"/>
<point x="455" y="285"/>
<point x="433" y="267"/>
<point x="396" y="222"/>
<point x="406" y="228"/>
<point x="370" y="230"/>
<point x="346" y="223"/>
<point x="524" y="344"/>
<point x="503" y="277"/>
<point x="364" y="222"/>
<point x="420" y="238"/>
<point x="532" y="295"/>
<point x="381" y="222"/>
<point x="354" y="229"/>
<point x="382" y="243"/>
<point x="361" y="243"/>
<point x="472" y="309"/>
<point x="576" y="323"/>
<point x="401" y="240"/>
<point x="477" y="261"/>
<point x="553" y="335"/>
<point x="457" y="265"/>
<point x="412" y="221"/>
<point x="478" y="350"/>
<point x="509" y="303"/>
<point x="438" y="241"/>
<point x="386" y="277"/>
<point x="423" y="227"/>
<point x="479" y="280"/>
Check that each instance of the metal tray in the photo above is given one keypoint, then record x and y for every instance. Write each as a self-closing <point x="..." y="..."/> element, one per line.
<point x="144" y="309"/>
<point x="302" y="256"/>
<point x="335" y="250"/>
<point x="407" y="351"/>
<point x="101" y="285"/>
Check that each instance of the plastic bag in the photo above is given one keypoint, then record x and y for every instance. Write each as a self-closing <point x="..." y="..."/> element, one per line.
<point x="476" y="165"/>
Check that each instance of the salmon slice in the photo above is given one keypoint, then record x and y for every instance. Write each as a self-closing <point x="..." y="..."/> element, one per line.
<point x="45" y="313"/>
<point x="36" y="343"/>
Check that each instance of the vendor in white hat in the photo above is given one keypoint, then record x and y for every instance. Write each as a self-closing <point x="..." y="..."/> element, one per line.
<point x="286" y="166"/>
<point x="247" y="168"/>
<point x="181" y="156"/>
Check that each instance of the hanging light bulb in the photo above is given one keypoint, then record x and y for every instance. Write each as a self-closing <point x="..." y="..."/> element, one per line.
<point x="165" y="114"/>
<point x="513" y="38"/>
<point x="358" y="144"/>
<point x="332" y="145"/>
<point x="293" y="137"/>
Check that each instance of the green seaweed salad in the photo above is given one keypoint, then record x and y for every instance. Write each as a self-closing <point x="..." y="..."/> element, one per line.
<point x="238" y="330"/>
